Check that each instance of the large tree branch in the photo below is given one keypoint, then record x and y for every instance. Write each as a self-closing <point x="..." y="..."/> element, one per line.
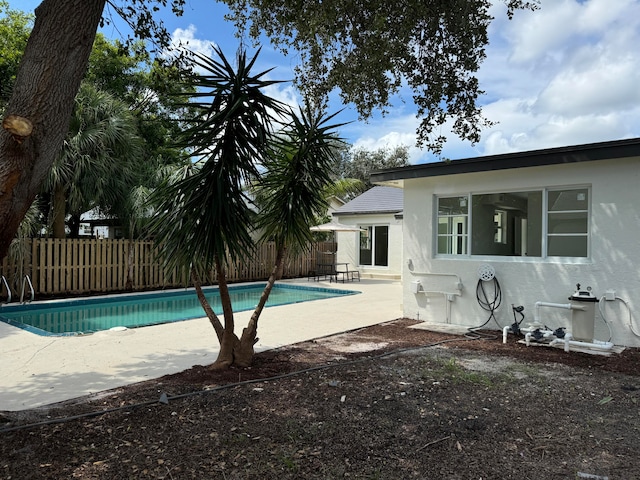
<point x="48" y="79"/>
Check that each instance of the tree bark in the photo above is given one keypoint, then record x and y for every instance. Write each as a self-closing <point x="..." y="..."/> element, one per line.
<point x="130" y="252"/>
<point x="229" y="341"/>
<point x="54" y="62"/>
<point x="74" y="225"/>
<point x="244" y="351"/>
<point x="211" y="315"/>
<point x="59" y="212"/>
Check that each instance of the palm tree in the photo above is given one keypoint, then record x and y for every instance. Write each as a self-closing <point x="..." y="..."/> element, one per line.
<point x="203" y="220"/>
<point x="97" y="164"/>
<point x="290" y="195"/>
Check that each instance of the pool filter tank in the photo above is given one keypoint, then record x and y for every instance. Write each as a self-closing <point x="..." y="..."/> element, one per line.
<point x="583" y="316"/>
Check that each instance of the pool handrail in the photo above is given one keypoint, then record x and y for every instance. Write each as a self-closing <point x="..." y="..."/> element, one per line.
<point x="33" y="293"/>
<point x="6" y="284"/>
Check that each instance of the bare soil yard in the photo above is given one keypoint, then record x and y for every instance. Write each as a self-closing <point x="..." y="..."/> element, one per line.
<point x="383" y="402"/>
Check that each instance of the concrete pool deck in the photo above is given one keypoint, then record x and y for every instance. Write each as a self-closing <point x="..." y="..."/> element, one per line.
<point x="38" y="370"/>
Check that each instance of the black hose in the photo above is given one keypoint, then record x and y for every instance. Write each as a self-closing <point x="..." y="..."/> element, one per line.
<point x="489" y="305"/>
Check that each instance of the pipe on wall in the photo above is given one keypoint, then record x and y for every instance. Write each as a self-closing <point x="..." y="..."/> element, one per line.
<point x="566" y="306"/>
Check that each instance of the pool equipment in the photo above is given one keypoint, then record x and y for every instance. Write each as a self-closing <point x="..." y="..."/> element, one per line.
<point x="515" y="326"/>
<point x="583" y="314"/>
<point x="582" y="306"/>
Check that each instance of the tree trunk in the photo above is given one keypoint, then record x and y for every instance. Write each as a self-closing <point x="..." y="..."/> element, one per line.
<point x="54" y="62"/>
<point x="74" y="225"/>
<point x="211" y="315"/>
<point x="129" y="283"/>
<point x="229" y="341"/>
<point x="244" y="351"/>
<point x="59" y="212"/>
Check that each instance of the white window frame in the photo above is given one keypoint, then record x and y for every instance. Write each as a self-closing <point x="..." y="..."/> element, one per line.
<point x="545" y="234"/>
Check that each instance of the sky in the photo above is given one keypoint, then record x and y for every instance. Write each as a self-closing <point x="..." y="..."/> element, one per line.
<point x="566" y="74"/>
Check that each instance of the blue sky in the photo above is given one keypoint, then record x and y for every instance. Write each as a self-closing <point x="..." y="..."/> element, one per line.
<point x="566" y="74"/>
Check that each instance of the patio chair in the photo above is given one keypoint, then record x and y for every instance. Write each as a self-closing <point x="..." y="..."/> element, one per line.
<point x="346" y="274"/>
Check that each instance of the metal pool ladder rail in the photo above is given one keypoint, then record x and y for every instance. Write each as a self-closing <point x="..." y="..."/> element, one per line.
<point x="33" y="294"/>
<point x="6" y="284"/>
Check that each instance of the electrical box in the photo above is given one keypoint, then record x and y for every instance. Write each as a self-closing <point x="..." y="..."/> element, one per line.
<point x="610" y="295"/>
<point x="415" y="286"/>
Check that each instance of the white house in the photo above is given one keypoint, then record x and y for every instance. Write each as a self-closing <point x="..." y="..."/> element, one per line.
<point x="540" y="222"/>
<point x="94" y="224"/>
<point x="375" y="250"/>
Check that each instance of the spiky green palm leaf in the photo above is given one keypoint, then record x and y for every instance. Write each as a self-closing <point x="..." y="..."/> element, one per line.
<point x="292" y="191"/>
<point x="206" y="214"/>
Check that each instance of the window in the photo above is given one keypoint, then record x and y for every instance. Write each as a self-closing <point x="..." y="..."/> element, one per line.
<point x="452" y="225"/>
<point x="538" y="223"/>
<point x="568" y="223"/>
<point x="374" y="245"/>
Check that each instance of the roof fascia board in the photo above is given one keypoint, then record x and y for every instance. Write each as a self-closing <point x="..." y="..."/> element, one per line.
<point x="534" y="158"/>
<point x="369" y="212"/>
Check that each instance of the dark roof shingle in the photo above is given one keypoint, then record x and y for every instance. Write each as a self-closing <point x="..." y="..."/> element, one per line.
<point x="375" y="200"/>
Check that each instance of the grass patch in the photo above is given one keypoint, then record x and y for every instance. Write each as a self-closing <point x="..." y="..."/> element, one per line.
<point x="458" y="374"/>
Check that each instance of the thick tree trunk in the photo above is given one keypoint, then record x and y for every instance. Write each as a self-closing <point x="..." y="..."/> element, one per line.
<point x="229" y="341"/>
<point x="244" y="351"/>
<point x="54" y="62"/>
<point x="59" y="212"/>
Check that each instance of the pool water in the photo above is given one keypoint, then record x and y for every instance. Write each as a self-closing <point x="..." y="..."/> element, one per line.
<point x="88" y="315"/>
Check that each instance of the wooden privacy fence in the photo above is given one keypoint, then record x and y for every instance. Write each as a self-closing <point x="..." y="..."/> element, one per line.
<point x="84" y="266"/>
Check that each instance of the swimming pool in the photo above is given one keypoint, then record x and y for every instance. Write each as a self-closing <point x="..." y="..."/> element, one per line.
<point x="89" y="315"/>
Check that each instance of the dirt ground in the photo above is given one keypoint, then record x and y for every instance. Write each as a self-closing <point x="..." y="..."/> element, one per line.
<point x="383" y="402"/>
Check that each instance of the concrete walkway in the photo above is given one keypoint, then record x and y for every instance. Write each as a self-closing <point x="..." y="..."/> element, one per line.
<point x="37" y="370"/>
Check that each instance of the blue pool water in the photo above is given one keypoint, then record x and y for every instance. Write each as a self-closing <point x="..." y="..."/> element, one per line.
<point x="88" y="315"/>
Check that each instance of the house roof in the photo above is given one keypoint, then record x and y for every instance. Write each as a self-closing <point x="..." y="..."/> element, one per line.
<point x="534" y="158"/>
<point x="375" y="200"/>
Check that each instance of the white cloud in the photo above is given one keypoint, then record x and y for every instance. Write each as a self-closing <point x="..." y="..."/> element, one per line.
<point x="285" y="93"/>
<point x="563" y="75"/>
<point x="388" y="132"/>
<point x="604" y="87"/>
<point x="560" y="25"/>
<point x="186" y="38"/>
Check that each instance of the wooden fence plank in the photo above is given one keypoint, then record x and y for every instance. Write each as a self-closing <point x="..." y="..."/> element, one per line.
<point x="83" y="266"/>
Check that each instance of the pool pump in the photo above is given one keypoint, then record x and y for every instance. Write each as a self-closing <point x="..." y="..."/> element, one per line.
<point x="582" y="306"/>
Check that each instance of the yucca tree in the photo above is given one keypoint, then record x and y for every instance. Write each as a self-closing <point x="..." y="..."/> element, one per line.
<point x="291" y="194"/>
<point x="203" y="220"/>
<point x="96" y="166"/>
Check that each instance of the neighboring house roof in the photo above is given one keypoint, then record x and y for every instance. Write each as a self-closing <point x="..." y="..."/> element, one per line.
<point x="334" y="203"/>
<point x="534" y="158"/>
<point x="375" y="200"/>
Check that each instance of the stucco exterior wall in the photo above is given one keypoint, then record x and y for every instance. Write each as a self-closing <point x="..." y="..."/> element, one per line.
<point x="348" y="246"/>
<point x="613" y="264"/>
